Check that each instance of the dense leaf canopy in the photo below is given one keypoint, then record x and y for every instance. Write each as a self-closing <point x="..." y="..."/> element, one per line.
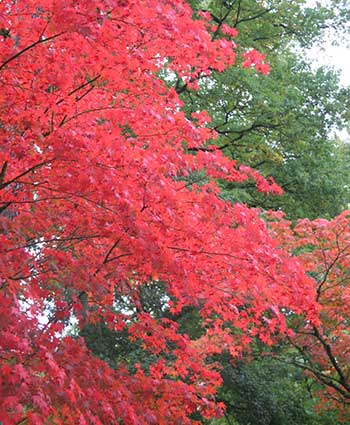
<point x="94" y="159"/>
<point x="126" y="274"/>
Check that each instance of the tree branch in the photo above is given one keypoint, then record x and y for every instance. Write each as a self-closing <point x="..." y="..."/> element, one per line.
<point x="33" y="168"/>
<point x="41" y="40"/>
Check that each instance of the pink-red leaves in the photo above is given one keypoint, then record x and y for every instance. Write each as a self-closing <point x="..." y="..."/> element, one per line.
<point x="96" y="199"/>
<point x="253" y="58"/>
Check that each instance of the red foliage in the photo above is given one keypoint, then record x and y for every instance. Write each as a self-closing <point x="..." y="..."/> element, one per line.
<point x="92" y="163"/>
<point x="256" y="59"/>
<point x="323" y="347"/>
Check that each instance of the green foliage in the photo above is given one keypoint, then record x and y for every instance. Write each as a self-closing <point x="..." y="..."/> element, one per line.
<point x="115" y="348"/>
<point x="269" y="392"/>
<point x="189" y="322"/>
<point x="281" y="124"/>
<point x="275" y="23"/>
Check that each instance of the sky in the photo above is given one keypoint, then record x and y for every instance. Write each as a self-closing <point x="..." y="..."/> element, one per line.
<point x="336" y="56"/>
<point x="339" y="58"/>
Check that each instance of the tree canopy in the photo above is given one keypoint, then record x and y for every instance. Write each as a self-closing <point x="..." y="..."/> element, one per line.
<point x="128" y="275"/>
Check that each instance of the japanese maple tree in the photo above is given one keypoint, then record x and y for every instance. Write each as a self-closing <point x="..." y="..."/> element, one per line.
<point x="322" y="348"/>
<point x="95" y="159"/>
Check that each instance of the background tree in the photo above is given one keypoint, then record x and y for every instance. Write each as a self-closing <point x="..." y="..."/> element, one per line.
<point x="321" y="349"/>
<point x="281" y="124"/>
<point x="267" y="391"/>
